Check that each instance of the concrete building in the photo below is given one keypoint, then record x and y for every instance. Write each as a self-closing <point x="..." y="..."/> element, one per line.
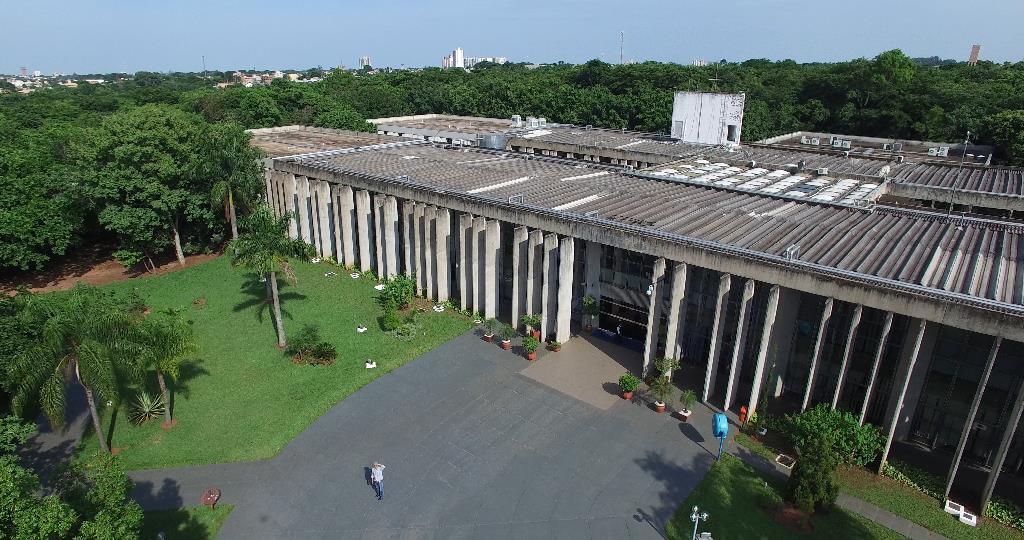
<point x="975" y="51"/>
<point x="779" y="275"/>
<point x="457" y="59"/>
<point x="707" y="118"/>
<point x="364" y="61"/>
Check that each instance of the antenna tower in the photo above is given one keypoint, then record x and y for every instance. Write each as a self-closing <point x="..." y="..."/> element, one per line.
<point x="622" y="39"/>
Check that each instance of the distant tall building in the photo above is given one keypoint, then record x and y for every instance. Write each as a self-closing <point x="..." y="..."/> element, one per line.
<point x="24" y="71"/>
<point x="364" y="61"/>
<point x="37" y="73"/>
<point x="700" y="62"/>
<point x="975" y="51"/>
<point x="472" y="61"/>
<point x="457" y="59"/>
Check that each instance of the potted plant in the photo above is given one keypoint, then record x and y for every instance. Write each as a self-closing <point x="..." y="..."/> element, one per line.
<point x="590" y="309"/>
<point x="665" y="364"/>
<point x="506" y="334"/>
<point x="661" y="387"/>
<point x="554" y="346"/>
<point x="686" y="398"/>
<point x="532" y="323"/>
<point x="628" y="383"/>
<point x="490" y="327"/>
<point x="530" y="345"/>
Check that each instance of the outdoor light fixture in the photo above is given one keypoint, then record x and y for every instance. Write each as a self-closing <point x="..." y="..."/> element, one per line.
<point x="650" y="289"/>
<point x="696" y="517"/>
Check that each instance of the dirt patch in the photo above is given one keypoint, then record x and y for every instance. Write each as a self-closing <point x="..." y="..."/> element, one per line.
<point x="792" y="519"/>
<point x="95" y="267"/>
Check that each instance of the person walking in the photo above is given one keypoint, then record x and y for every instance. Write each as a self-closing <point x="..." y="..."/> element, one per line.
<point x="377" y="479"/>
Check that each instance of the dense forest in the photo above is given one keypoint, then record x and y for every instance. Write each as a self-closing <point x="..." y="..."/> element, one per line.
<point x="148" y="165"/>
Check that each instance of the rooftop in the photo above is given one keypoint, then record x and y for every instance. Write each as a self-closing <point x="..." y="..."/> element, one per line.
<point x="291" y="140"/>
<point x="422" y="124"/>
<point x="942" y="255"/>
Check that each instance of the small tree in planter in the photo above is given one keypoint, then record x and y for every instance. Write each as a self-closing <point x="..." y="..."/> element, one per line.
<point x="686" y="399"/>
<point x="554" y="346"/>
<point x="530" y="345"/>
<point x="661" y="388"/>
<point x="506" y="333"/>
<point x="665" y="365"/>
<point x="628" y="383"/>
<point x="590" y="309"/>
<point x="490" y="328"/>
<point x="532" y="323"/>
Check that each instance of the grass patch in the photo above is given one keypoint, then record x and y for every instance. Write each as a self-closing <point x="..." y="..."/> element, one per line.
<point x="244" y="399"/>
<point x="196" y="523"/>
<point x="742" y="503"/>
<point x="911" y="504"/>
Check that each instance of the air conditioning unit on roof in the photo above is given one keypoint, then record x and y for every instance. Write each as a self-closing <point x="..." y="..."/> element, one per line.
<point x="542" y="121"/>
<point x="517" y="120"/>
<point x="887" y="146"/>
<point x="822" y="171"/>
<point x="933" y="152"/>
<point x="805" y="140"/>
<point x="897" y="147"/>
<point x="847" y="144"/>
<point x="943" y="151"/>
<point x="816" y="141"/>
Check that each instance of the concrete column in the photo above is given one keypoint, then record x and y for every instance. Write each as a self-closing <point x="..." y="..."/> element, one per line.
<point x="378" y="235"/>
<point x="323" y="196"/>
<point x="724" y="284"/>
<point x="336" y="216"/>
<point x="479" y="246"/>
<point x="417" y="249"/>
<point x="781" y="343"/>
<point x="826" y="316"/>
<point x="592" y="273"/>
<point x="275" y="192"/>
<point x="492" y="267"/>
<point x="1004" y="448"/>
<point x="912" y="350"/>
<point x="465" y="261"/>
<point x="918" y="378"/>
<point x="291" y="190"/>
<point x="271" y="200"/>
<point x="676" y="311"/>
<point x="535" y="273"/>
<point x="566" y="262"/>
<point x="363" y="225"/>
<point x="391" y="263"/>
<point x="549" y="288"/>
<point x="519" y="258"/>
<point x="767" y="333"/>
<point x="442" y="239"/>
<point x="654" y="314"/>
<point x="302" y="184"/>
<point x="407" y="239"/>
<point x="969" y="422"/>
<point x="736" y="365"/>
<point x="429" y="215"/>
<point x="883" y="340"/>
<point x="854" y="324"/>
<point x="345" y="205"/>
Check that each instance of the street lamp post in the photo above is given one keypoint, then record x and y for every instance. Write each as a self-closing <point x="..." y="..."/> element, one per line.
<point x="696" y="517"/>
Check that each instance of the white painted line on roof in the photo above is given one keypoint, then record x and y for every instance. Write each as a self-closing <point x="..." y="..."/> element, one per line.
<point x="498" y="159"/>
<point x="627" y="145"/>
<point x="538" y="133"/>
<point x="499" y="186"/>
<point x="582" y="176"/>
<point x="578" y="202"/>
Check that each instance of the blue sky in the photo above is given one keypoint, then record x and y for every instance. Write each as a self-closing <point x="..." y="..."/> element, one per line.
<point x="86" y="36"/>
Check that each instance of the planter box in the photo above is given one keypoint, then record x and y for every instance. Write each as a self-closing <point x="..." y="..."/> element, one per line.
<point x="785" y="461"/>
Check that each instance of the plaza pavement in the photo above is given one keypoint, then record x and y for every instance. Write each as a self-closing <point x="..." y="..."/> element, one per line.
<point x="473" y="449"/>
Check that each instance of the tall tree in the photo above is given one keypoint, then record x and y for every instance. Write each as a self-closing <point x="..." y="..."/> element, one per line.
<point x="164" y="342"/>
<point x="84" y="338"/>
<point x="150" y="179"/>
<point x="233" y="165"/>
<point x="265" y="248"/>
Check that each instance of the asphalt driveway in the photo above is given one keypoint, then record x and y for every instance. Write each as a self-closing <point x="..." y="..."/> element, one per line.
<point x="473" y="449"/>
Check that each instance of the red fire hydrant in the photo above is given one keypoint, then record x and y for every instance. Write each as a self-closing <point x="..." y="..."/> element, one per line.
<point x="743" y="415"/>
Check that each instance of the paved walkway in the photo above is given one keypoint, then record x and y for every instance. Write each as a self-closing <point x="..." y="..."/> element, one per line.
<point x="587" y="369"/>
<point x="473" y="449"/>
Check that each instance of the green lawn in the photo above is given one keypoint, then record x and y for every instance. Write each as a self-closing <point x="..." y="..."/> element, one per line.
<point x="196" y="523"/>
<point x="917" y="507"/>
<point x="741" y="503"/>
<point x="244" y="400"/>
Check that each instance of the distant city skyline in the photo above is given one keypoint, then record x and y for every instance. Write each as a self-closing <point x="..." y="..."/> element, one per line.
<point x="103" y="36"/>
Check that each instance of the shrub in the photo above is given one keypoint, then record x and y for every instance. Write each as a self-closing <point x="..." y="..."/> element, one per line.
<point x="554" y="345"/>
<point x="530" y="320"/>
<point x="1005" y="512"/>
<point x="323" y="353"/>
<point x="390" y="320"/>
<point x="506" y="332"/>
<point x="306" y="338"/>
<point x="530" y="344"/>
<point x="812" y="484"/>
<point x="661" y="388"/>
<point x="629" y="382"/>
<point x="687" y="398"/>
<point x="664" y="365"/>
<point x="400" y="290"/>
<point x="918" y="479"/>
<point x="407" y="331"/>
<point x="590" y="307"/>
<point x="853" y="442"/>
<point x="491" y="326"/>
<point x="145" y="408"/>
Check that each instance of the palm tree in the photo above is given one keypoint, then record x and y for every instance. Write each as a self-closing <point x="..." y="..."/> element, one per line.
<point x="164" y="344"/>
<point x="266" y="249"/>
<point x="234" y="165"/>
<point x="84" y="338"/>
